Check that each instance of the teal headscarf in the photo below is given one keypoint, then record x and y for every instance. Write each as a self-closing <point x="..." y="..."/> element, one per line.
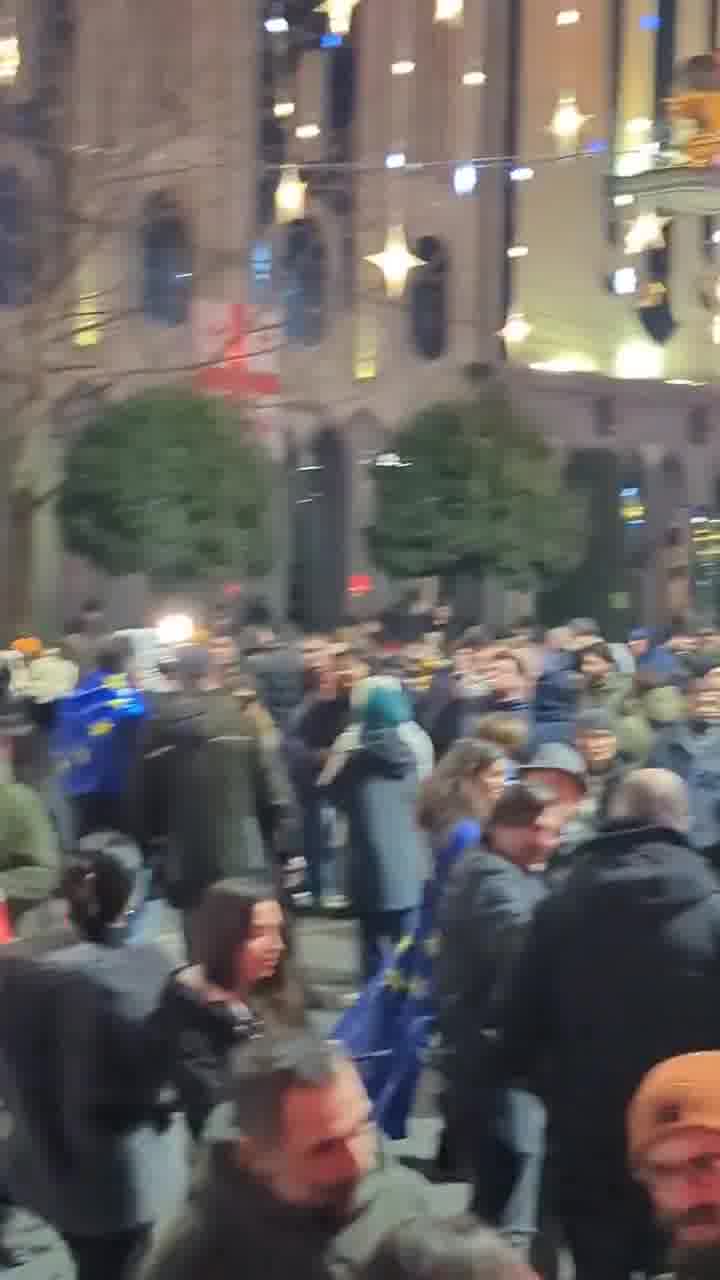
<point x="387" y="706"/>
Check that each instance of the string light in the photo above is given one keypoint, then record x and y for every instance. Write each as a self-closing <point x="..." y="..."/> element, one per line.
<point x="567" y="120"/>
<point x="9" y="59"/>
<point x="715" y="330"/>
<point x="395" y="160"/>
<point x="448" y="10"/>
<point x="404" y="67"/>
<point x="290" y="195"/>
<point x="516" y="328"/>
<point x="305" y="132"/>
<point x="622" y="201"/>
<point x="518" y="251"/>
<point x="282" y="110"/>
<point x="473" y="78"/>
<point x="522" y="174"/>
<point x="567" y="17"/>
<point x="339" y="15"/>
<point x="276" y="23"/>
<point x="396" y="261"/>
<point x="465" y="179"/>
<point x="644" y="233"/>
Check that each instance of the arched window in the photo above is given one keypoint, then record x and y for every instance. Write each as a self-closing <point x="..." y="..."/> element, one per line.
<point x="15" y="251"/>
<point x="167" y="262"/>
<point x="429" y="299"/>
<point x="305" y="283"/>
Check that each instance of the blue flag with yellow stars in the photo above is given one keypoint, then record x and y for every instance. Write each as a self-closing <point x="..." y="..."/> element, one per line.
<point x="388" y="1029"/>
<point x="95" y="734"/>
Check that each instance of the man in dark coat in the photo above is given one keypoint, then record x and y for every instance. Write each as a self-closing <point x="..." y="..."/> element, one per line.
<point x="691" y="749"/>
<point x="297" y="1183"/>
<point x="489" y="904"/>
<point x="621" y="969"/>
<point x="228" y="791"/>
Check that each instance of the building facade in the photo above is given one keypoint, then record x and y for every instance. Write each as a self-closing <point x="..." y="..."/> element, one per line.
<point x="490" y="131"/>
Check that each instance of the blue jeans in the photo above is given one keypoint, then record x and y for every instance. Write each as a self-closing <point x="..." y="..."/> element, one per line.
<point x="379" y="932"/>
<point x="320" y="856"/>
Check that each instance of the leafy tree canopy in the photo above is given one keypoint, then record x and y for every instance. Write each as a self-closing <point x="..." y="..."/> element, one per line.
<point x="167" y="483"/>
<point x="477" y="490"/>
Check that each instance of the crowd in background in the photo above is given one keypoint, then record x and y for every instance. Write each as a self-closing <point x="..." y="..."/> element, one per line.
<point x="525" y="828"/>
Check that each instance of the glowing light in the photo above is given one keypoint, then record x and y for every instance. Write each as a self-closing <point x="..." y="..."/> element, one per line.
<point x="637" y="359"/>
<point x="465" y="179"/>
<point x="339" y="15"/>
<point x="396" y="261"/>
<point x="567" y="17"/>
<point x="645" y="232"/>
<point x="282" y="110"/>
<point x="522" y="174"/>
<point x="305" y="132"/>
<point x="9" y="59"/>
<point x="516" y="328"/>
<point x="518" y="251"/>
<point x="574" y="363"/>
<point x="448" y="10"/>
<point x="176" y="628"/>
<point x="473" y="78"/>
<point x="395" y="160"/>
<point x="404" y="67"/>
<point x="567" y="120"/>
<point x="277" y="24"/>
<point x="638" y="125"/>
<point x="621" y="202"/>
<point x="625" y="281"/>
<point x="716" y="237"/>
<point x="290" y="195"/>
<point x="683" y="382"/>
<point x="715" y="330"/>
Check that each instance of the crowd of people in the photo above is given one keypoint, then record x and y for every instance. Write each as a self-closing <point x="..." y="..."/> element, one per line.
<point x="525" y="829"/>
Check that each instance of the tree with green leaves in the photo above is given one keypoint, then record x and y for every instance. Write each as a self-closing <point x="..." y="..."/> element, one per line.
<point x="170" y="484"/>
<point x="475" y="489"/>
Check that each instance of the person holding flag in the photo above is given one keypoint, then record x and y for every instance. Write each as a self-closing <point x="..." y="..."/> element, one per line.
<point x="389" y="1028"/>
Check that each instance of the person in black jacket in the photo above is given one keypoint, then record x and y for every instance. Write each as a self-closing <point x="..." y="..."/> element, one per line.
<point x="95" y="1148"/>
<point x="240" y="986"/>
<point x="488" y="907"/>
<point x="621" y="969"/>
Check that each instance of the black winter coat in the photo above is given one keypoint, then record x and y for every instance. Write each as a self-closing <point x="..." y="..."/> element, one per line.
<point x="620" y="970"/>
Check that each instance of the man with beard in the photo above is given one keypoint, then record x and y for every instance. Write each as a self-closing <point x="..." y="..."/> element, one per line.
<point x="297" y="1182"/>
<point x="674" y="1149"/>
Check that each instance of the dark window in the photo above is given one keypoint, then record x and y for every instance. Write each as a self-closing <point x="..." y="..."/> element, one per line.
<point x="305" y="283"/>
<point x="429" y="299"/>
<point x="167" y="262"/>
<point x="15" y="253"/>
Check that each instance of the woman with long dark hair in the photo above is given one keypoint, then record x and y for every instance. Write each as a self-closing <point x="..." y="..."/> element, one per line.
<point x="240" y="985"/>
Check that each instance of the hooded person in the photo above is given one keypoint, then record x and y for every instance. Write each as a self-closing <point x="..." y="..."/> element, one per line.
<point x="373" y="775"/>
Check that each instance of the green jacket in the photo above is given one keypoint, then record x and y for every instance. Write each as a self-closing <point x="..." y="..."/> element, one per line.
<point x="228" y="792"/>
<point x="29" y="856"/>
<point x="235" y="1227"/>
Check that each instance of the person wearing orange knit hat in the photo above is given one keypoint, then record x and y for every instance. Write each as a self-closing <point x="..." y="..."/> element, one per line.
<point x="673" y="1127"/>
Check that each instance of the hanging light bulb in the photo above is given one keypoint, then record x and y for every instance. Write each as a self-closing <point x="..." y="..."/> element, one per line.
<point x="339" y="15"/>
<point x="448" y="10"/>
<point x="396" y="261"/>
<point x="645" y="232"/>
<point x="290" y="195"/>
<point x="567" y="121"/>
<point x="516" y="328"/>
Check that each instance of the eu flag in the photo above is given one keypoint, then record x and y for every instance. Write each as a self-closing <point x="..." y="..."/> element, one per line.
<point x="388" y="1029"/>
<point x="96" y="729"/>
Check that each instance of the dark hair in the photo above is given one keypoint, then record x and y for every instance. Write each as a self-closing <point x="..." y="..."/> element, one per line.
<point x="222" y="926"/>
<point x="103" y="874"/>
<point x="113" y="655"/>
<point x="441" y="802"/>
<point x="442" y="1249"/>
<point x="479" y="637"/>
<point x="598" y="650"/>
<point x="520" y="805"/>
<point x="510" y="733"/>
